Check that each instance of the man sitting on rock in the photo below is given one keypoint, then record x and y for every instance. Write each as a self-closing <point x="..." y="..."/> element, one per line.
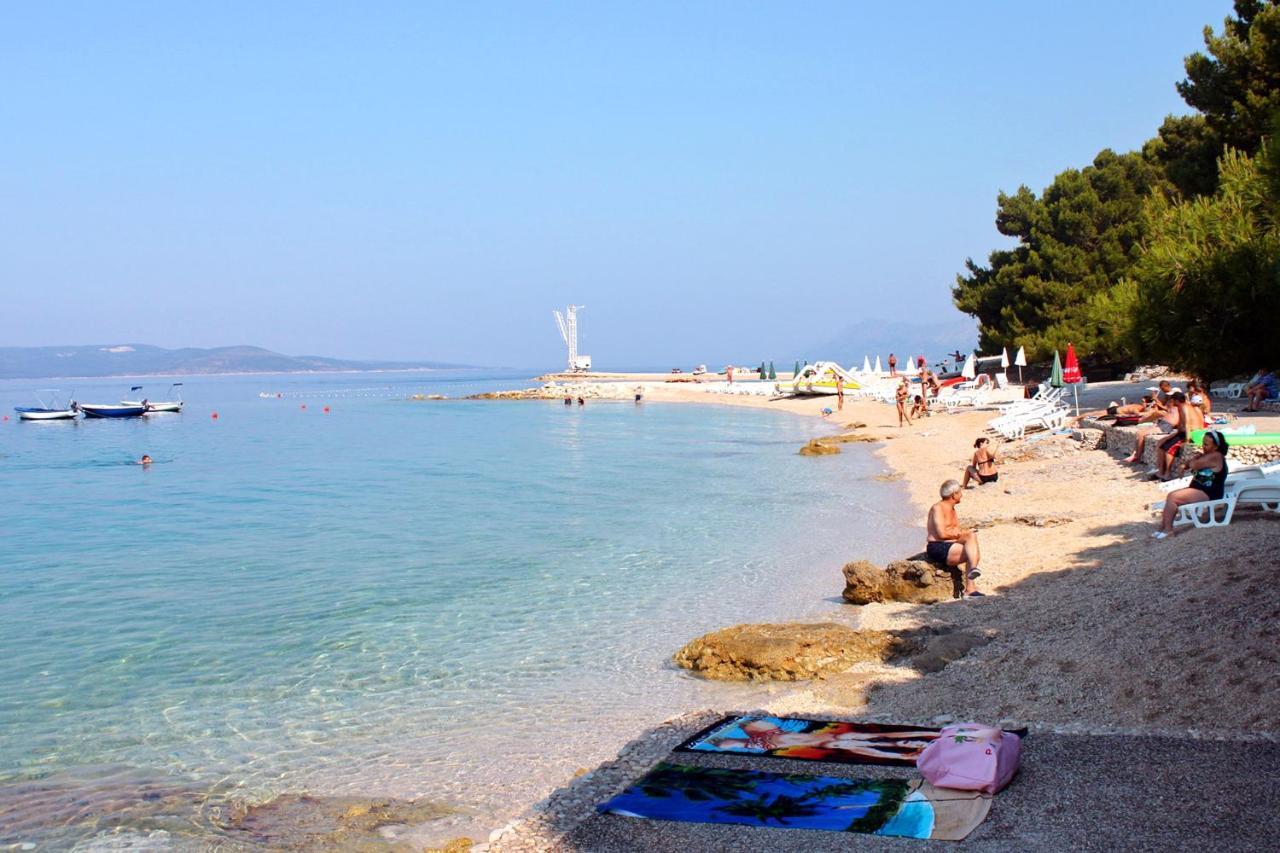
<point x="948" y="543"/>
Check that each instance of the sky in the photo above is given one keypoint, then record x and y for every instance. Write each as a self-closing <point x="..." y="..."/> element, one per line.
<point x="714" y="181"/>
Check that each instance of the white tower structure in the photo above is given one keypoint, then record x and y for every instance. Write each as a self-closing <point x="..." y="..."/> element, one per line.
<point x="568" y="323"/>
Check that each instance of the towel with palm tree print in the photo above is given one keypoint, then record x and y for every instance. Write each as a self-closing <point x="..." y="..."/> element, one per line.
<point x="910" y="808"/>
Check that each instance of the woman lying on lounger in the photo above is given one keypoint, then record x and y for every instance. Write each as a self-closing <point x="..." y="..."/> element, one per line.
<point x="1208" y="480"/>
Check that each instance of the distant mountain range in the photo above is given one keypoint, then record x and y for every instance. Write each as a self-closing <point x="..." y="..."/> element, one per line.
<point x="903" y="338"/>
<point x="144" y="360"/>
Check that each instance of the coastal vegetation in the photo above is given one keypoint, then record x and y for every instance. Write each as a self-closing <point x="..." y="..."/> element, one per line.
<point x="1169" y="253"/>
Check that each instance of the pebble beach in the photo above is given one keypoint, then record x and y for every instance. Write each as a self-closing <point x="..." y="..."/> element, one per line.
<point x="1093" y="630"/>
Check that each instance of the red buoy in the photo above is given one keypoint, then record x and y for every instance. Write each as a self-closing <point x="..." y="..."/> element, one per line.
<point x="304" y="405"/>
<point x="214" y="416"/>
<point x="326" y="410"/>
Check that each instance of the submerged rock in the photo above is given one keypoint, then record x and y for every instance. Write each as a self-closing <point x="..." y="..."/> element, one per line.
<point x="914" y="580"/>
<point x="302" y="822"/>
<point x="784" y="652"/>
<point x="817" y="448"/>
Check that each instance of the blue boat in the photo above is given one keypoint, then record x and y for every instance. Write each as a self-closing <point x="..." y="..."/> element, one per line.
<point x="92" y="410"/>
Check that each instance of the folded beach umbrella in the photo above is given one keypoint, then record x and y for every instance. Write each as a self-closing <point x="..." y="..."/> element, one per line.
<point x="878" y="368"/>
<point x="1004" y="358"/>
<point x="1071" y="375"/>
<point x="970" y="369"/>
<point x="773" y="374"/>
<point x="1021" y="360"/>
<point x="1055" y="375"/>
<point x="1071" y="370"/>
<point x="866" y="364"/>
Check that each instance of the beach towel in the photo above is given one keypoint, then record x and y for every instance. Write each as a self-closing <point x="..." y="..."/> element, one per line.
<point x="909" y="808"/>
<point x="889" y="744"/>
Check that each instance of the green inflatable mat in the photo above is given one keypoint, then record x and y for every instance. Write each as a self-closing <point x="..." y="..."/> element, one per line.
<point x="1233" y="440"/>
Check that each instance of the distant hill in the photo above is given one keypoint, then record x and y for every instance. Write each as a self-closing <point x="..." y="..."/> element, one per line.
<point x="903" y="338"/>
<point x="144" y="360"/>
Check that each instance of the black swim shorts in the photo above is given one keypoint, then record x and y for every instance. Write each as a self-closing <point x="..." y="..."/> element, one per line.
<point x="983" y="479"/>
<point x="938" y="551"/>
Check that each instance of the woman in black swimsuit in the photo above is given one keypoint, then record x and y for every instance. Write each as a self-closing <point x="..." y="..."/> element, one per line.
<point x="1208" y="480"/>
<point x="983" y="468"/>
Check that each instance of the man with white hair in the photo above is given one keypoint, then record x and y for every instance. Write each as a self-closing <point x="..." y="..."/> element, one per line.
<point x="948" y="543"/>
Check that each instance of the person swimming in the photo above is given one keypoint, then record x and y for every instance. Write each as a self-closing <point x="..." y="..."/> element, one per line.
<point x="145" y="460"/>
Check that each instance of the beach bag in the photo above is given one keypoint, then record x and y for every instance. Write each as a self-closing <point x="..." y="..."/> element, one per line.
<point x="971" y="757"/>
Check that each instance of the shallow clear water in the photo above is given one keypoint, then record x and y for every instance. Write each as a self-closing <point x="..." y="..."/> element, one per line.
<point x="460" y="600"/>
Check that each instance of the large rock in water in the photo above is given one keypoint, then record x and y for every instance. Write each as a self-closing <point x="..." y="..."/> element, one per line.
<point x="786" y="652"/>
<point x="816" y="448"/>
<point x="913" y="580"/>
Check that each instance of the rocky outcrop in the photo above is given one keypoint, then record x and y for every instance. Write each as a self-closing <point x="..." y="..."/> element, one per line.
<point x="784" y="652"/>
<point x="912" y="580"/>
<point x="817" y="448"/>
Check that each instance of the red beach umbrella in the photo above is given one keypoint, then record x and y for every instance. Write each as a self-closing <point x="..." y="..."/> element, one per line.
<point x="1071" y="374"/>
<point x="1071" y="370"/>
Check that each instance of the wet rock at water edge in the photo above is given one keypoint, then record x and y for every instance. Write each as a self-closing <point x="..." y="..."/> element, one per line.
<point x="785" y="652"/>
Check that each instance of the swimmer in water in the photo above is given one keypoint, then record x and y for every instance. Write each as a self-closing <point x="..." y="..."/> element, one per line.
<point x="145" y="460"/>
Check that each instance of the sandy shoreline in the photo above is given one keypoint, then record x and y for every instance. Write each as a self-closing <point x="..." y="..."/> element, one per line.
<point x="1094" y="627"/>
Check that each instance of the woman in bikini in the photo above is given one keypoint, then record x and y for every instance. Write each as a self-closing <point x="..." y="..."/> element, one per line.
<point x="983" y="469"/>
<point x="901" y="395"/>
<point x="1208" y="480"/>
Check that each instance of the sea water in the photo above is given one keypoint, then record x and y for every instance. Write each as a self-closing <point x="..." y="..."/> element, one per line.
<point x="451" y="599"/>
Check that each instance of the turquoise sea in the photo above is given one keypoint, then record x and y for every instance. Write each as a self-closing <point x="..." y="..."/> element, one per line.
<point x="459" y="600"/>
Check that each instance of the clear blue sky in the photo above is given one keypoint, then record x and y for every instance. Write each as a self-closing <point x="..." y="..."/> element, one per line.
<point x="714" y="181"/>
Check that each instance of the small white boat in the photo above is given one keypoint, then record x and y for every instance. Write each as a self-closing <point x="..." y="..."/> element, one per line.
<point x="161" y="406"/>
<point x="50" y="409"/>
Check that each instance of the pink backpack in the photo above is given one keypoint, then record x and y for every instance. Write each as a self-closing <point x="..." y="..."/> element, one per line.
<point x="971" y="757"/>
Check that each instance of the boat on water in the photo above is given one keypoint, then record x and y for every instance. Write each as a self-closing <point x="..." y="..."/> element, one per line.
<point x="50" y="409"/>
<point x="95" y="410"/>
<point x="174" y="405"/>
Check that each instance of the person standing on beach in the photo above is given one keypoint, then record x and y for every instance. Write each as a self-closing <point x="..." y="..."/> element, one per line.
<point x="893" y="366"/>
<point x="949" y="544"/>
<point x="902" y="394"/>
<point x="839" y="392"/>
<point x="729" y="372"/>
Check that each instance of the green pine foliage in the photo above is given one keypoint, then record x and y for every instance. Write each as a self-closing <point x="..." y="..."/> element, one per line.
<point x="1208" y="285"/>
<point x="1076" y="243"/>
<point x="1165" y="254"/>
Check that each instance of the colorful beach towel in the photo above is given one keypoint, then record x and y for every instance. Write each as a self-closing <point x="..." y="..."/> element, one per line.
<point x="910" y="808"/>
<point x="815" y="740"/>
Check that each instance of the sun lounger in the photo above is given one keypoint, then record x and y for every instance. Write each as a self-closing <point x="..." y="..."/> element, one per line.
<point x="1235" y="475"/>
<point x="1263" y="493"/>
<point x="1017" y="425"/>
<point x="974" y="397"/>
<point x="1233" y="390"/>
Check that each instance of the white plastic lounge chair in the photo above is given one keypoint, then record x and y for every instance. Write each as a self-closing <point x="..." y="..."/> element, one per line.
<point x="1233" y="390"/>
<point x="1262" y="492"/>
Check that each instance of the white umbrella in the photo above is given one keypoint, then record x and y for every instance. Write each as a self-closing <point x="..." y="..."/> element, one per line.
<point x="1021" y="360"/>
<point x="878" y="370"/>
<point x="970" y="369"/>
<point x="1004" y="359"/>
<point x="866" y="364"/>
